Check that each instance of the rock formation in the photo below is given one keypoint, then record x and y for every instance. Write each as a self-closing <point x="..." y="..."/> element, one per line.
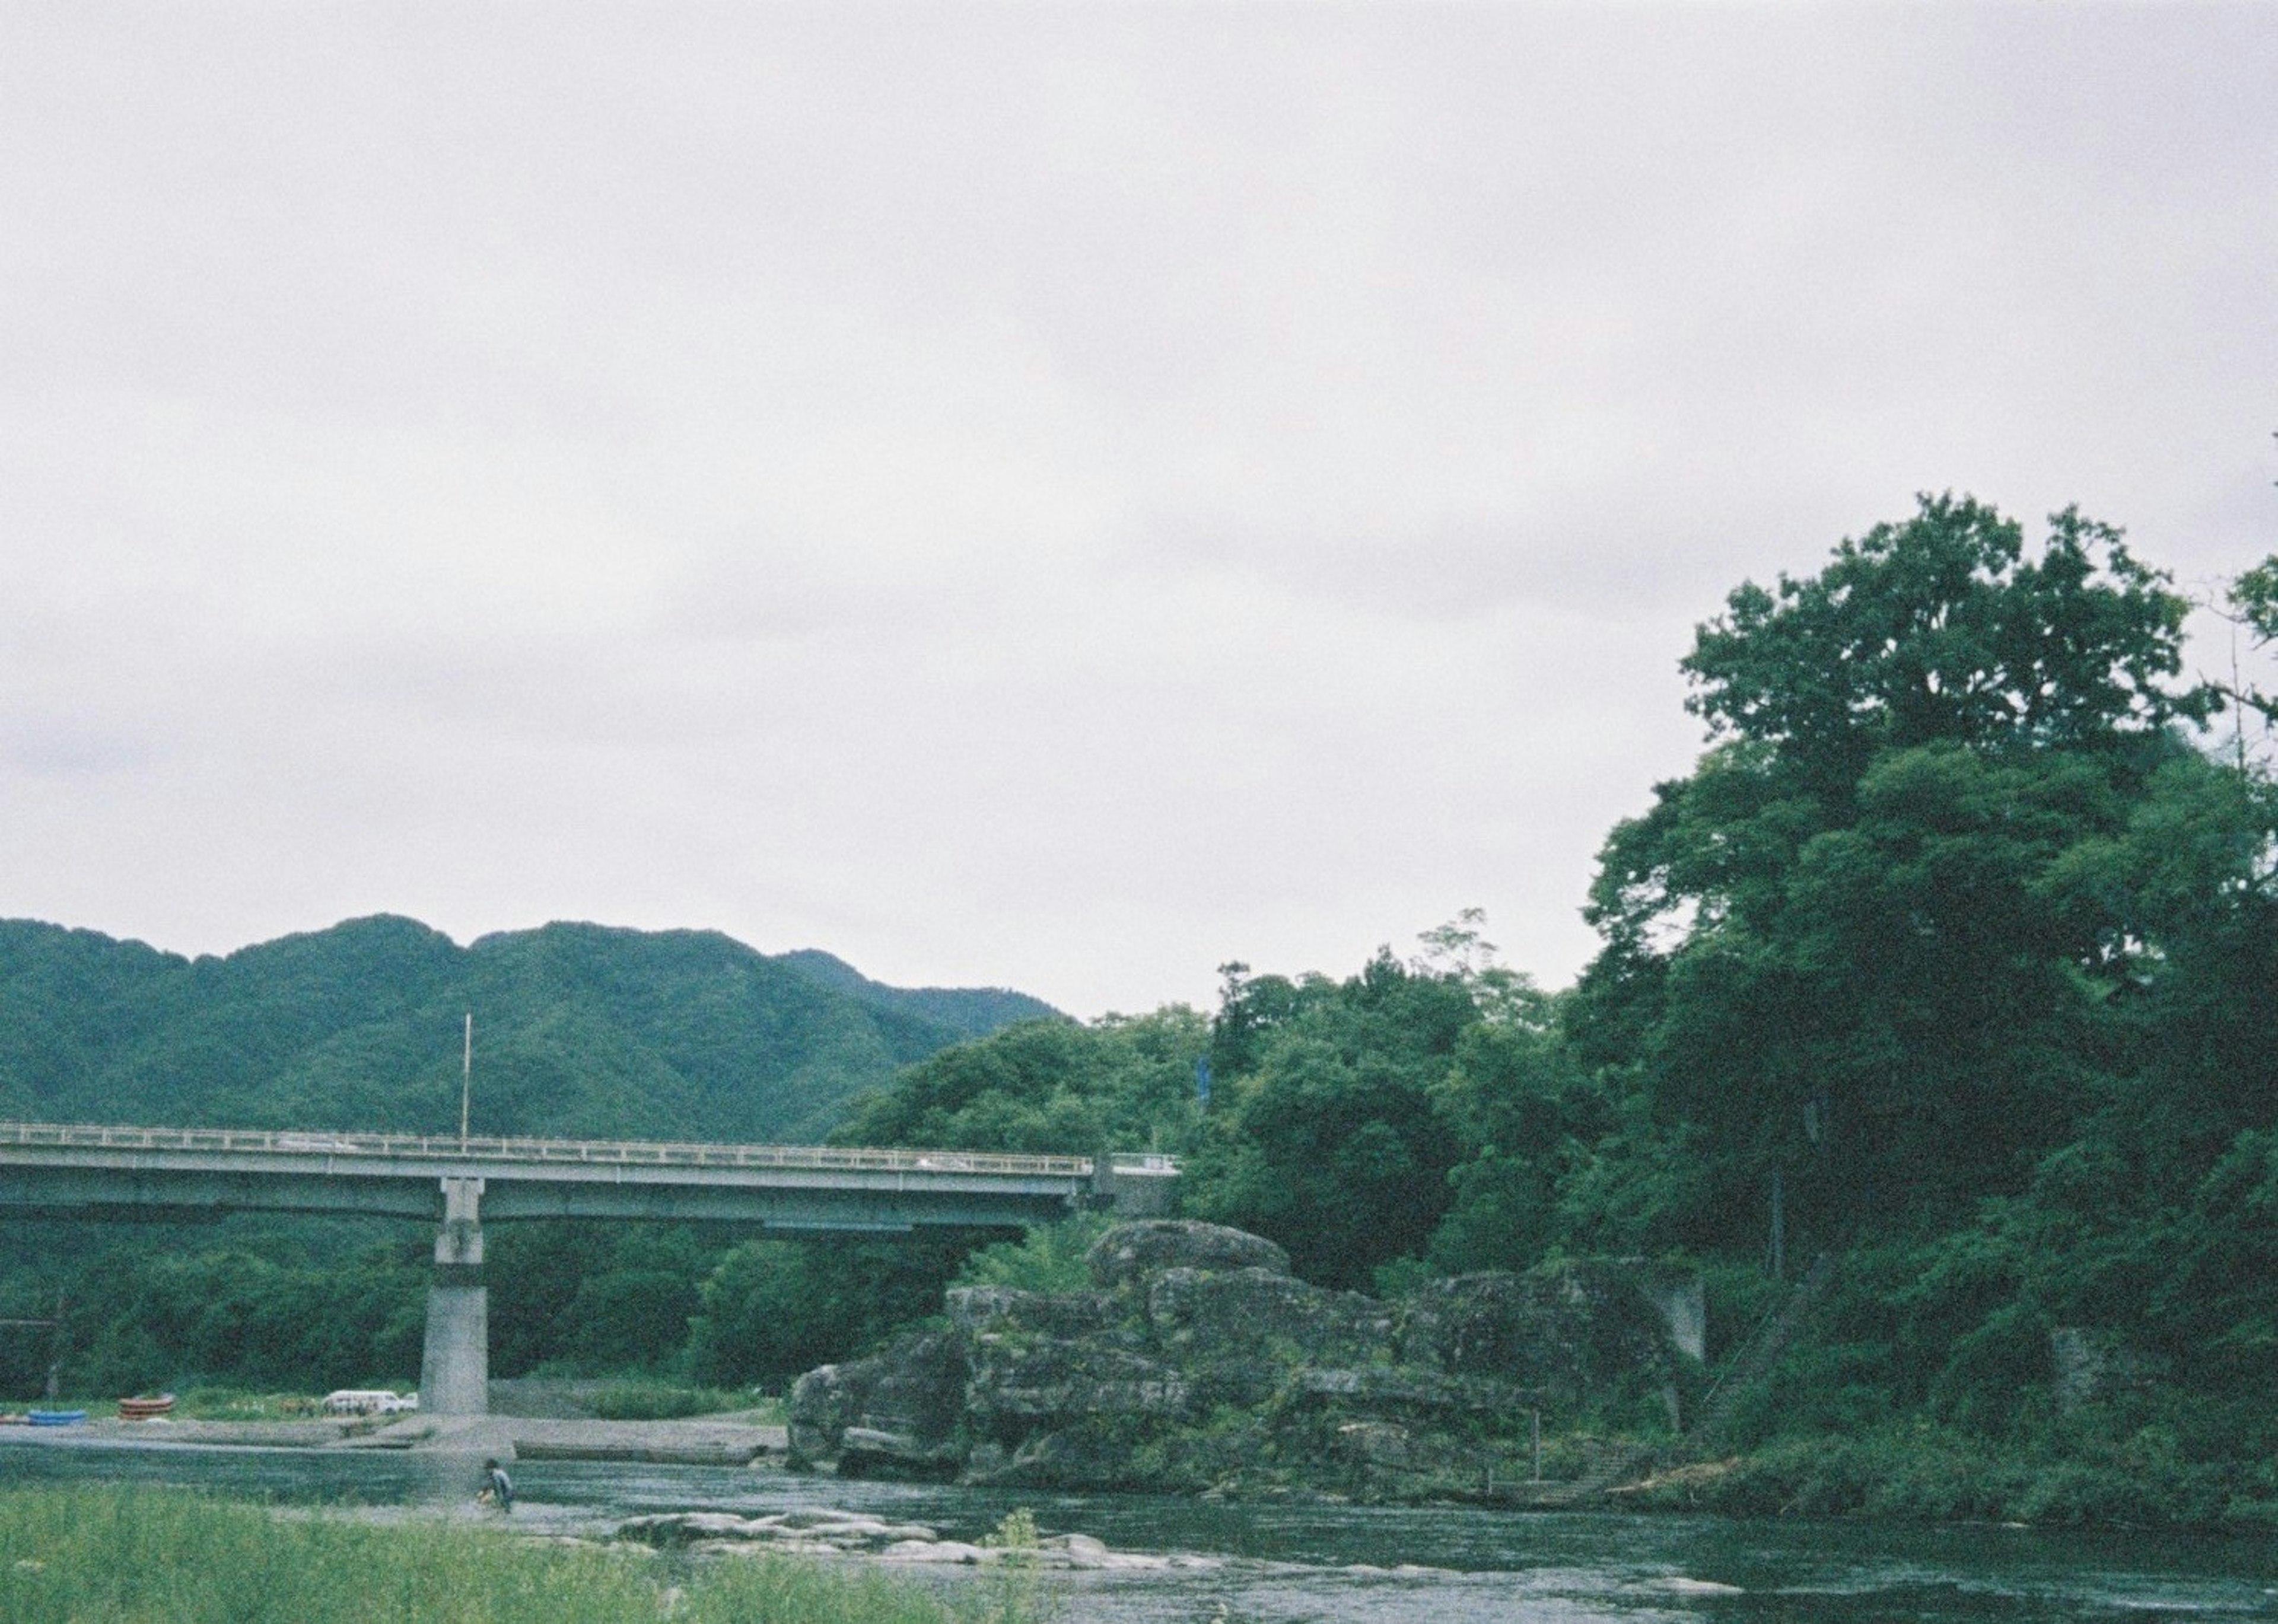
<point x="1197" y="1363"/>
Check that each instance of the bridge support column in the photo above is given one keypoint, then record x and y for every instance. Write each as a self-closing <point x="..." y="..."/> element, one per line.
<point x="454" y="1371"/>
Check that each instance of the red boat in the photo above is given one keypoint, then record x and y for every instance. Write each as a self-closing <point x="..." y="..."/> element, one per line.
<point x="145" y="1409"/>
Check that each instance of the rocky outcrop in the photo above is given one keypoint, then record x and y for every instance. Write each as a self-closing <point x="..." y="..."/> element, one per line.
<point x="1198" y="1362"/>
<point x="1131" y="1251"/>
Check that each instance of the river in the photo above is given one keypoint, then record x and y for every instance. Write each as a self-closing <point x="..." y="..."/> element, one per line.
<point x="1328" y="1564"/>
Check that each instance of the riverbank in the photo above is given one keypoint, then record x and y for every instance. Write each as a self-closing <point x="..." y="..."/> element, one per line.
<point x="1273" y="1561"/>
<point x="707" y="1440"/>
<point x="143" y="1556"/>
<point x="1912" y="1475"/>
<point x="1929" y="1475"/>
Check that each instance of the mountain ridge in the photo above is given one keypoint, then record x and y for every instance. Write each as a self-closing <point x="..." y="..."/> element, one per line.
<point x="581" y="1030"/>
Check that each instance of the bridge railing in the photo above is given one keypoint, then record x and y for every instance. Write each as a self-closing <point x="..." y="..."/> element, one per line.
<point x="640" y="1153"/>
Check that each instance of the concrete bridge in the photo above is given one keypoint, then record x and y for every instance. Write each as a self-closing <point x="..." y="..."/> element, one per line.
<point x="50" y="1169"/>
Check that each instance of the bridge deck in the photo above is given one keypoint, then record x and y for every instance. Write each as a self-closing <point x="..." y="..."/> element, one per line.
<point x="619" y="1153"/>
<point x="90" y="1166"/>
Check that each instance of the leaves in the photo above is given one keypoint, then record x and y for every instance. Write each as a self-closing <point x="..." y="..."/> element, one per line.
<point x="1870" y="943"/>
<point x="1940" y="629"/>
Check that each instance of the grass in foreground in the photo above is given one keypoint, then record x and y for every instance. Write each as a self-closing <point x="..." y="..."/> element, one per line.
<point x="143" y="1556"/>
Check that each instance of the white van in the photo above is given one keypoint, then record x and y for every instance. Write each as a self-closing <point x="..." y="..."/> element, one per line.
<point x="369" y="1402"/>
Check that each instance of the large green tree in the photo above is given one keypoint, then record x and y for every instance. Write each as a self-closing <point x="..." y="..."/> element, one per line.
<point x="1326" y="1137"/>
<point x="1868" y="946"/>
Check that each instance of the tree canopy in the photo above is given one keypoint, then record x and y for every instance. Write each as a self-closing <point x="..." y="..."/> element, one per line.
<point x="1865" y="945"/>
<point x="1942" y="629"/>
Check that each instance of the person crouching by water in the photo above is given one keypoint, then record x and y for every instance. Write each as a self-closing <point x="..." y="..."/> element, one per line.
<point x="498" y="1488"/>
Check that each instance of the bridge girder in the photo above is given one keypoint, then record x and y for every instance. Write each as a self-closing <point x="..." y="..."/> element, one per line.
<point x="143" y="1194"/>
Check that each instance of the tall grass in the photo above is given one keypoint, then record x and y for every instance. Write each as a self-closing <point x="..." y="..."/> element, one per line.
<point x="147" y="1556"/>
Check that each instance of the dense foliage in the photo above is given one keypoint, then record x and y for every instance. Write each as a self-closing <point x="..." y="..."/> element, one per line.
<point x="1045" y="1086"/>
<point x="1988" y="977"/>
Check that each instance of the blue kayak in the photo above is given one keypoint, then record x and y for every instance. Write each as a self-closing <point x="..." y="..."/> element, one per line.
<point x="56" y="1418"/>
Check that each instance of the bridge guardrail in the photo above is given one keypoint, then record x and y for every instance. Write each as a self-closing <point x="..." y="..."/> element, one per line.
<point x="641" y="1153"/>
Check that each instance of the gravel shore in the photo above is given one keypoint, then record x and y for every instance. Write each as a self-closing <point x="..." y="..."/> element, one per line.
<point x="709" y="1440"/>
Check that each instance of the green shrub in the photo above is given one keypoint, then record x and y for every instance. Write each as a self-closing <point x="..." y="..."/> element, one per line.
<point x="664" y="1401"/>
<point x="1047" y="1258"/>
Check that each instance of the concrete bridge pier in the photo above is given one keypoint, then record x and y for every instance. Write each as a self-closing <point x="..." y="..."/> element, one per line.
<point x="455" y="1368"/>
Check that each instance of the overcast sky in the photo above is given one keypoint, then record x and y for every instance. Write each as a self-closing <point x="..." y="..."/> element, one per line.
<point x="1057" y="496"/>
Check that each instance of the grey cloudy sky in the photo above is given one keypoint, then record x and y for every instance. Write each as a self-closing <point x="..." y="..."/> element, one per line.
<point x="1058" y="497"/>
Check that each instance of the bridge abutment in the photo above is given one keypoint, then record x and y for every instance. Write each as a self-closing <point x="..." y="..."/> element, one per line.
<point x="454" y="1368"/>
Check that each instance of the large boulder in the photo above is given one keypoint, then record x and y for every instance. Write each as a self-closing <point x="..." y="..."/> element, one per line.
<point x="898" y="1413"/>
<point x="1254" y="1313"/>
<point x="1199" y="1362"/>
<point x="1037" y="1358"/>
<point x="1241" y="1333"/>
<point x="821" y="1409"/>
<point x="1129" y="1250"/>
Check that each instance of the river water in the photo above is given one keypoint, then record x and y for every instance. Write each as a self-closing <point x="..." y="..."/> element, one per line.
<point x="1326" y="1565"/>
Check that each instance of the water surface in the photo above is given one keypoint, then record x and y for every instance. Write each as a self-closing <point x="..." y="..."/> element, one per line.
<point x="1326" y="1565"/>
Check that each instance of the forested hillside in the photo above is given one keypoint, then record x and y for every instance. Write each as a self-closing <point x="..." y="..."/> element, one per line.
<point x="580" y="1031"/>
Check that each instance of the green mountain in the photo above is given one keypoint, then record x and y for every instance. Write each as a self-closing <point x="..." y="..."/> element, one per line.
<point x="973" y="1011"/>
<point x="580" y="1031"/>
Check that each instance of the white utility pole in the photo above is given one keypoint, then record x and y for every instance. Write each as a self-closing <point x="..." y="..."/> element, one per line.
<point x="466" y="1078"/>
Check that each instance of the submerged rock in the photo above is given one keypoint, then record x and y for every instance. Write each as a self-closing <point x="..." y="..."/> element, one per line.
<point x="670" y="1529"/>
<point x="821" y="1531"/>
<point x="947" y="1550"/>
